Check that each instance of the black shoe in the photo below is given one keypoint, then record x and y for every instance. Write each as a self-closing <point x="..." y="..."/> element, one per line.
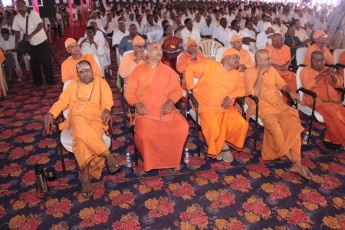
<point x="331" y="146"/>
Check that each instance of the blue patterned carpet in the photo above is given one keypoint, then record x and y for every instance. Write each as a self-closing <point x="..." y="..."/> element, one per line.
<point x="207" y="194"/>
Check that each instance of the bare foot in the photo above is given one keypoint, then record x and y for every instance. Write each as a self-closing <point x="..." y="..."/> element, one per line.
<point x="302" y="171"/>
<point x="87" y="189"/>
<point x="227" y="156"/>
<point x="113" y="165"/>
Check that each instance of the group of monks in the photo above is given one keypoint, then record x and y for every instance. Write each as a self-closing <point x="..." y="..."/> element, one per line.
<point x="154" y="89"/>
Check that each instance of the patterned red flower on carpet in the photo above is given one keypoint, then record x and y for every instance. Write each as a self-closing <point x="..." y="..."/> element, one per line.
<point x="255" y="171"/>
<point x="193" y="217"/>
<point x="127" y="222"/>
<point x="29" y="178"/>
<point x="242" y="156"/>
<point x="17" y="153"/>
<point x="220" y="198"/>
<point x="92" y="217"/>
<point x="277" y="191"/>
<point x="204" y="177"/>
<point x="184" y="190"/>
<point x="159" y="207"/>
<point x="58" y="209"/>
<point x="30" y="197"/>
<point x="298" y="216"/>
<point x="255" y="208"/>
<point x="69" y="164"/>
<point x="312" y="199"/>
<point x="123" y="200"/>
<point x="13" y="170"/>
<point x="155" y="183"/>
<point x="41" y="158"/>
<point x="241" y="183"/>
<point x="30" y="222"/>
<point x="336" y="168"/>
<point x="330" y="182"/>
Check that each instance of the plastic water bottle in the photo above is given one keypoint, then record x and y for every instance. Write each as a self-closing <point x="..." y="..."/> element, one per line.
<point x="305" y="139"/>
<point x="186" y="156"/>
<point x="128" y="160"/>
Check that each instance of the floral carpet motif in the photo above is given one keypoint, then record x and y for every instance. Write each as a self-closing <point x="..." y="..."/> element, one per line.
<point x="249" y="193"/>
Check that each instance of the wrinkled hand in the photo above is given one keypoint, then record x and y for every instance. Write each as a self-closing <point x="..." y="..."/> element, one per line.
<point x="242" y="68"/>
<point x="286" y="67"/>
<point x="28" y="38"/>
<point x="106" y="116"/>
<point x="167" y="107"/>
<point x="141" y="109"/>
<point x="295" y="97"/>
<point x="194" y="57"/>
<point x="264" y="69"/>
<point x="48" y="121"/>
<point x="330" y="71"/>
<point x="226" y="102"/>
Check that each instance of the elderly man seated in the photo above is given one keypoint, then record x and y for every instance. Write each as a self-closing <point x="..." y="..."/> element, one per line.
<point x="160" y="129"/>
<point x="323" y="81"/>
<point x="89" y="100"/>
<point x="282" y="135"/>
<point x="191" y="57"/>
<point x="68" y="67"/>
<point x="245" y="58"/>
<point x="219" y="85"/>
<point x="319" y="45"/>
<point x="132" y="60"/>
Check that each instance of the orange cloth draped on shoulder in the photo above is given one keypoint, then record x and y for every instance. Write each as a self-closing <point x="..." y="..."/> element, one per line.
<point x="218" y="125"/>
<point x="281" y="57"/>
<point x="69" y="67"/>
<point x="314" y="47"/>
<point x="84" y="121"/>
<point x="342" y="61"/>
<point x="127" y="66"/>
<point x="282" y="128"/>
<point x="184" y="61"/>
<point x="245" y="58"/>
<point x="2" y="59"/>
<point x="158" y="137"/>
<point x="328" y="102"/>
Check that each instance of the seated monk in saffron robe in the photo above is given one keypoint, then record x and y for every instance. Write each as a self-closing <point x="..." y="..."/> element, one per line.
<point x="219" y="85"/>
<point x="191" y="57"/>
<point x="132" y="60"/>
<point x="160" y="130"/>
<point x="89" y="101"/>
<point x="245" y="58"/>
<point x="322" y="81"/>
<point x="281" y="60"/>
<point x="282" y="135"/>
<point x="320" y="38"/>
<point x="68" y="67"/>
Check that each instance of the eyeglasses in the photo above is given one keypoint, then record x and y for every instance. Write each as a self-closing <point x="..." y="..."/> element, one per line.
<point x="140" y="47"/>
<point x="84" y="71"/>
<point x="323" y="59"/>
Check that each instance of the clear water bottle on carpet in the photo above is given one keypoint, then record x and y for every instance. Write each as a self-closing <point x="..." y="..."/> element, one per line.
<point x="128" y="160"/>
<point x="186" y="156"/>
<point x="305" y="139"/>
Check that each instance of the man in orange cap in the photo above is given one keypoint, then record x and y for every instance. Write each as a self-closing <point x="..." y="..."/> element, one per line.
<point x="68" y="67"/>
<point x="216" y="91"/>
<point x="282" y="135"/>
<point x="281" y="60"/>
<point x="160" y="130"/>
<point x="245" y="58"/>
<point x="191" y="57"/>
<point x="132" y="60"/>
<point x="323" y="81"/>
<point x="319" y="45"/>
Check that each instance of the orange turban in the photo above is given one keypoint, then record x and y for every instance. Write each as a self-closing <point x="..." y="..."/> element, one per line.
<point x="235" y="38"/>
<point x="137" y="40"/>
<point x="190" y="41"/>
<point x="69" y="41"/>
<point x="318" y="34"/>
<point x="229" y="52"/>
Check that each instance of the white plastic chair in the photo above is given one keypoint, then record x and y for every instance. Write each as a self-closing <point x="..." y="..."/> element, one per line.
<point x="300" y="54"/>
<point x="221" y="50"/>
<point x="66" y="138"/>
<point x="4" y="87"/>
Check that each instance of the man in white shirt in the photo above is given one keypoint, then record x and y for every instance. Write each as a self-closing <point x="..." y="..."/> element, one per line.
<point x="189" y="32"/>
<point x="139" y="23"/>
<point x="207" y="28"/>
<point x="279" y="27"/>
<point x="264" y="38"/>
<point x="131" y="20"/>
<point x="39" y="52"/>
<point x="119" y="33"/>
<point x="89" y="45"/>
<point x="302" y="19"/>
<point x="110" y="25"/>
<point x="248" y="35"/>
<point x="235" y="28"/>
<point x="197" y="23"/>
<point x="7" y="44"/>
<point x="222" y="33"/>
<point x="299" y="32"/>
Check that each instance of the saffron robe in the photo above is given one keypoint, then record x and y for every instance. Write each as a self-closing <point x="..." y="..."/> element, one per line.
<point x="328" y="103"/>
<point x="85" y="125"/>
<point x="158" y="137"/>
<point x="184" y="61"/>
<point x="314" y="47"/>
<point x="127" y="66"/>
<point x="69" y="67"/>
<point x="218" y="125"/>
<point x="281" y="57"/>
<point x="282" y="128"/>
<point x="342" y="61"/>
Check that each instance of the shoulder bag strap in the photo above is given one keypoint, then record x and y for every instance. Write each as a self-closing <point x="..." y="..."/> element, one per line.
<point x="27" y="23"/>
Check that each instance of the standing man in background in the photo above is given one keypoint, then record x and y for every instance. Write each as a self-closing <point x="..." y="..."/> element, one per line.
<point x="38" y="41"/>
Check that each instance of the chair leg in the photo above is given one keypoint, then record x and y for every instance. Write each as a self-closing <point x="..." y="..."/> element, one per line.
<point x="135" y="154"/>
<point x="197" y="132"/>
<point x="62" y="159"/>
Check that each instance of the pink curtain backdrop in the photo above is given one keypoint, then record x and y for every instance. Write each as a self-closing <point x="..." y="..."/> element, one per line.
<point x="35" y="6"/>
<point x="87" y="11"/>
<point x="82" y="12"/>
<point x="71" y="16"/>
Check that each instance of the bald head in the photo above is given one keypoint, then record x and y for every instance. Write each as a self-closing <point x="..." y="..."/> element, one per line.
<point x="262" y="58"/>
<point x="277" y="41"/>
<point x="154" y="52"/>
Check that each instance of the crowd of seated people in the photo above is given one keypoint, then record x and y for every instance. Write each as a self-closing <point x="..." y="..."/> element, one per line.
<point x="258" y="59"/>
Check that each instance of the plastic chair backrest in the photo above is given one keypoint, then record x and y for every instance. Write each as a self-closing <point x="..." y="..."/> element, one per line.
<point x="127" y="52"/>
<point x="65" y="112"/>
<point x="178" y="57"/>
<point x="300" y="53"/>
<point x="209" y="48"/>
<point x="336" y="55"/>
<point x="118" y="56"/>
<point x="220" y="52"/>
<point x="298" y="81"/>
